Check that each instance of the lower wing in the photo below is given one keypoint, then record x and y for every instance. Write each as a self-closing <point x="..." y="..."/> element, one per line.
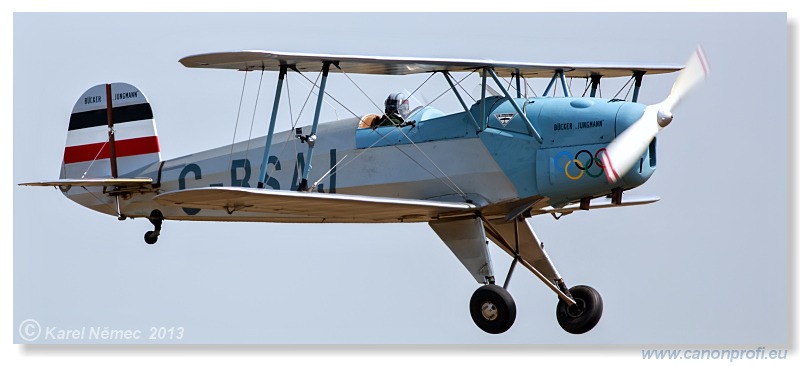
<point x="331" y="207"/>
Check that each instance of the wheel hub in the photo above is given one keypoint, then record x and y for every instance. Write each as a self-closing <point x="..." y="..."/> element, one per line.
<point x="489" y="311"/>
<point x="577" y="309"/>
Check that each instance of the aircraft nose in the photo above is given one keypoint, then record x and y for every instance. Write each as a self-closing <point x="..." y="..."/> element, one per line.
<point x="644" y="168"/>
<point x="627" y="114"/>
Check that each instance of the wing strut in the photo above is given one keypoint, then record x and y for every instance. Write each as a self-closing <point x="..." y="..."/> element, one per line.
<point x="461" y="100"/>
<point x="303" y="186"/>
<point x="516" y="75"/>
<point x="484" y="119"/>
<point x="564" y="86"/>
<point x="531" y="130"/>
<point x="550" y="84"/>
<point x="595" y="85"/>
<point x="637" y="84"/>
<point x="262" y="178"/>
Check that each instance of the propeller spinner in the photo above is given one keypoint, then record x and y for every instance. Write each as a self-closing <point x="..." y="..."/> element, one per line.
<point x="623" y="152"/>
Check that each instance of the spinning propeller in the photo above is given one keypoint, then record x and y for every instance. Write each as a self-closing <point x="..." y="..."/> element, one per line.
<point x="623" y="152"/>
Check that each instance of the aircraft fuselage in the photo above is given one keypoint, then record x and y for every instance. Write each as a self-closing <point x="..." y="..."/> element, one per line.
<point x="442" y="157"/>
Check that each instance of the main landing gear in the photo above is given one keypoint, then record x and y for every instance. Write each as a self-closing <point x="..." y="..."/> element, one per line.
<point x="491" y="307"/>
<point x="156" y="218"/>
<point x="579" y="308"/>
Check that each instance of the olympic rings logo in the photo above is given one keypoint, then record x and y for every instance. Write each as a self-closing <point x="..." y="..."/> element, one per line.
<point x="583" y="161"/>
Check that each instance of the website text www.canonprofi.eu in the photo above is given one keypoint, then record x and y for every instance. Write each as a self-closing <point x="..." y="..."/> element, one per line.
<point x="731" y="354"/>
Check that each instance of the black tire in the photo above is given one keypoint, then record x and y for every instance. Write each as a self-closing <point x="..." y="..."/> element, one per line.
<point x="582" y="317"/>
<point x="150" y="238"/>
<point x="492" y="309"/>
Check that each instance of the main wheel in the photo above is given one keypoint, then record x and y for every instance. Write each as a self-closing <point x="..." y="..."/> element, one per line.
<point x="492" y="309"/>
<point x="150" y="237"/>
<point x="584" y="315"/>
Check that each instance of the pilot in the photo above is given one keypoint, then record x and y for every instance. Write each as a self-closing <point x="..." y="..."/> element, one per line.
<point x="395" y="110"/>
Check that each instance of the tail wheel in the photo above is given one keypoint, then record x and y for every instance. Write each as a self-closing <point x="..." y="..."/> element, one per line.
<point x="150" y="237"/>
<point x="156" y="218"/>
<point x="492" y="309"/>
<point x="584" y="315"/>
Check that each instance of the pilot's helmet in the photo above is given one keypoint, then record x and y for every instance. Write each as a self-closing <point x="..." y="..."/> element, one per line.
<point x="397" y="102"/>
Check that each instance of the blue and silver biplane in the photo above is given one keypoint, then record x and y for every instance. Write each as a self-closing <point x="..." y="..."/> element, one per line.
<point x="473" y="176"/>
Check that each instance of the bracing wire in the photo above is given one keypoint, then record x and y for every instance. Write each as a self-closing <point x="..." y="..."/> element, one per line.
<point x="555" y="87"/>
<point x="101" y="201"/>
<point x="587" y="88"/>
<point x="569" y="87"/>
<point x="331" y="96"/>
<point x="238" y="113"/>
<point x="253" y="120"/>
<point x="458" y="83"/>
<point x="325" y="100"/>
<point x="294" y="123"/>
<point x="95" y="157"/>
<point x="622" y="88"/>
<point x="456" y="189"/>
<point x="510" y="80"/>
<point x="529" y="87"/>
<point x="420" y="86"/>
<point x="289" y="97"/>
<point x="628" y="92"/>
<point x="314" y="186"/>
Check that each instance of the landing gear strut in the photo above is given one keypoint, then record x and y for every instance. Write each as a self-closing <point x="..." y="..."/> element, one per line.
<point x="156" y="218"/>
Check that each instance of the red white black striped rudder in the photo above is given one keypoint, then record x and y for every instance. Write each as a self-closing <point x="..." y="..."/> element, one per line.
<point x="88" y="150"/>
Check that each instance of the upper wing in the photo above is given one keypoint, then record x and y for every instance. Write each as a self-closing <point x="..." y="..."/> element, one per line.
<point x="328" y="207"/>
<point x="381" y="65"/>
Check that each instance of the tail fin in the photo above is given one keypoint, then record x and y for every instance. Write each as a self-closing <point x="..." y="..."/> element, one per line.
<point x="88" y="150"/>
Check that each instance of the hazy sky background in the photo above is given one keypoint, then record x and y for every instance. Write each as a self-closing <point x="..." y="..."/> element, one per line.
<point x="705" y="265"/>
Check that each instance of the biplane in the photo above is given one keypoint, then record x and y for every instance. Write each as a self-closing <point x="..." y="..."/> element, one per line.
<point x="474" y="176"/>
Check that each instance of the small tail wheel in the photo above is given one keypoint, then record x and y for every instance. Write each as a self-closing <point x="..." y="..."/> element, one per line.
<point x="156" y="218"/>
<point x="150" y="237"/>
<point x="584" y="315"/>
<point x="492" y="309"/>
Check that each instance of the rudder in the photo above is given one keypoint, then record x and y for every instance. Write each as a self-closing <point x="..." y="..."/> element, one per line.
<point x="88" y="150"/>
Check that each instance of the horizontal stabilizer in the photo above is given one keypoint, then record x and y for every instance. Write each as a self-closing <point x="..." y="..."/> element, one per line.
<point x="97" y="182"/>
<point x="328" y="207"/>
<point x="602" y="202"/>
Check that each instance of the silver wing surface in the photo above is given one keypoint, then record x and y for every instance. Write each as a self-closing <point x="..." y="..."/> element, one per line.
<point x="329" y="207"/>
<point x="384" y="65"/>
